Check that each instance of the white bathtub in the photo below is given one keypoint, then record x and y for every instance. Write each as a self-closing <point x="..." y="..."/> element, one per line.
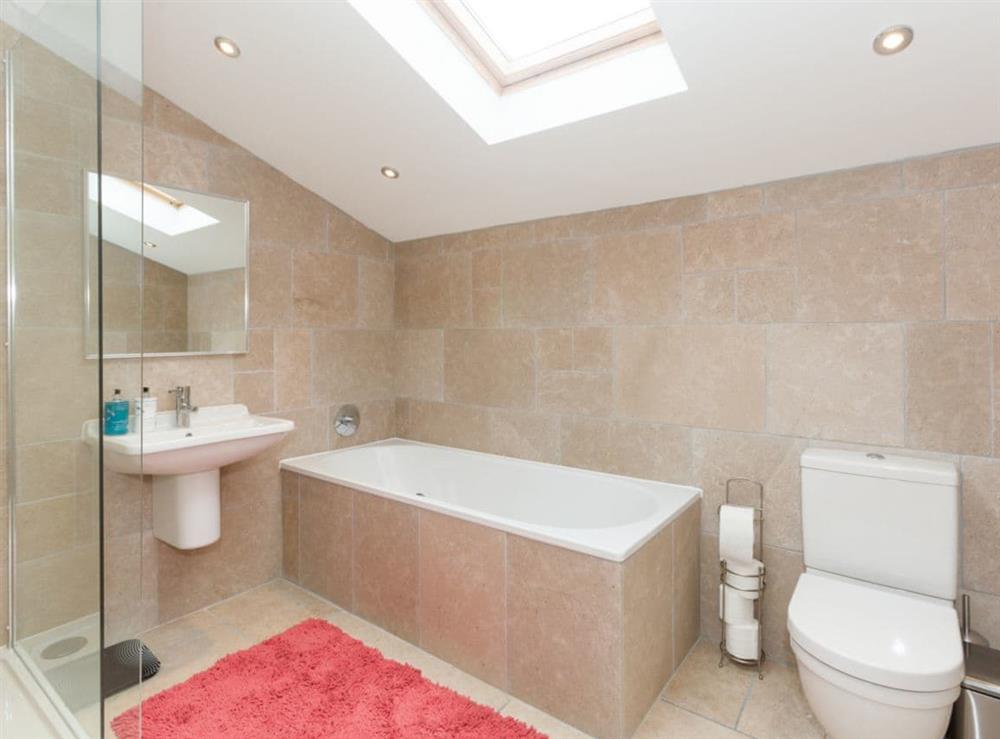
<point x="606" y="516"/>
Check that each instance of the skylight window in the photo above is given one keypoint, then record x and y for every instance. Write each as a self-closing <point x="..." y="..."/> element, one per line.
<point x="511" y="68"/>
<point x="148" y="205"/>
<point x="515" y="40"/>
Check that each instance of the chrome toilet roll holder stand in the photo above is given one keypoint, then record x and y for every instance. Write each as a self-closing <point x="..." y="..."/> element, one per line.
<point x="757" y="588"/>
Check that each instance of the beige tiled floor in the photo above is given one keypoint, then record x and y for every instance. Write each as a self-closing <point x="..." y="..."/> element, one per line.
<point x="701" y="701"/>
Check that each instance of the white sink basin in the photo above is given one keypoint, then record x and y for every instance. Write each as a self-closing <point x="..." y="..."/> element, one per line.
<point x="185" y="462"/>
<point x="218" y="435"/>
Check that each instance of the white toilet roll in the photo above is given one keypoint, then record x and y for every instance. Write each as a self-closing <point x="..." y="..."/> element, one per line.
<point x="741" y="577"/>
<point x="741" y="639"/>
<point x="736" y="533"/>
<point x="738" y="610"/>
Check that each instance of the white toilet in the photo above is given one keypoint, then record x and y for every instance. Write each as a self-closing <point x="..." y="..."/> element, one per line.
<point x="872" y="620"/>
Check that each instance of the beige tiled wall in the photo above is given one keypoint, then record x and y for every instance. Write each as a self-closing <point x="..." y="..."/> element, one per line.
<point x="320" y="336"/>
<point x="589" y="640"/>
<point x="321" y="316"/>
<point x="57" y="555"/>
<point x="215" y="311"/>
<point x="164" y="295"/>
<point x="719" y="335"/>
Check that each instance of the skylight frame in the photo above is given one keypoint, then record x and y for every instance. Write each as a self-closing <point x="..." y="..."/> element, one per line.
<point x="626" y="34"/>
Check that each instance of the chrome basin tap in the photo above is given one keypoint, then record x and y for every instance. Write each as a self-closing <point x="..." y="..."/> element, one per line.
<point x="183" y="409"/>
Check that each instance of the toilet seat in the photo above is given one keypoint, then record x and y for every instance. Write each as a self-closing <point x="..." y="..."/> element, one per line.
<point x="883" y="637"/>
<point x="867" y="691"/>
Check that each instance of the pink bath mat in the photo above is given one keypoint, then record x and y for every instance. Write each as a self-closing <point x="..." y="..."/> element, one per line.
<point x="314" y="682"/>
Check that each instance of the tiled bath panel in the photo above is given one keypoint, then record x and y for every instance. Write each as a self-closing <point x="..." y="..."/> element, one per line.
<point x="585" y="639"/>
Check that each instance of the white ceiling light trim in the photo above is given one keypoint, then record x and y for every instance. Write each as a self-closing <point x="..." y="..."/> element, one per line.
<point x="618" y="82"/>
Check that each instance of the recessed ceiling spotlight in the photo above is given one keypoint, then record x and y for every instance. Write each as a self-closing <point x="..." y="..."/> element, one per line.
<point x="390" y="173"/>
<point x="227" y="47"/>
<point x="893" y="40"/>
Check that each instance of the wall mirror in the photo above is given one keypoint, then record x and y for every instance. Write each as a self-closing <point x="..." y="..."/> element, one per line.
<point x="175" y="269"/>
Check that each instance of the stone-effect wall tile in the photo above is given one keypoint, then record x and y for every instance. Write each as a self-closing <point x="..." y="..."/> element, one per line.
<point x="433" y="291"/>
<point x="710" y="297"/>
<point x="981" y="516"/>
<point x="349" y="236"/>
<point x="324" y="289"/>
<point x="564" y="612"/>
<point x="386" y="564"/>
<point x="290" y="522"/>
<point x="972" y="217"/>
<point x="509" y="234"/>
<point x="849" y="185"/>
<point x="524" y="434"/>
<point x="461" y="426"/>
<point x="585" y="393"/>
<point x="687" y="580"/>
<point x="706" y="375"/>
<point x="632" y="448"/>
<point x="953" y="169"/>
<point x="973" y="228"/>
<point x="637" y="277"/>
<point x="593" y="349"/>
<point x="949" y="388"/>
<point x="555" y="348"/>
<point x="750" y="242"/>
<point x="973" y="285"/>
<point x="836" y="381"/>
<point x="325" y="539"/>
<point x="489" y="367"/>
<point x="260" y="351"/>
<point x="766" y="296"/>
<point x="355" y="365"/>
<point x="419" y="364"/>
<point x="293" y="368"/>
<point x="771" y="460"/>
<point x="272" y="196"/>
<point x="709" y="578"/>
<point x="255" y="390"/>
<point x="547" y="284"/>
<point x="487" y="268"/>
<point x="872" y="261"/>
<point x="270" y="287"/>
<point x="783" y="568"/>
<point x="648" y="597"/>
<point x="742" y="201"/>
<point x="376" y="285"/>
<point x="462" y="604"/>
<point x="170" y="160"/>
<point x="487" y="308"/>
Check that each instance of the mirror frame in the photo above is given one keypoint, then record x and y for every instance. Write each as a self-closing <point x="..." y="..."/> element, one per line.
<point x="88" y="301"/>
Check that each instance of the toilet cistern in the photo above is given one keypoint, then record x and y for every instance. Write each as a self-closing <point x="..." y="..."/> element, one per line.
<point x="872" y="621"/>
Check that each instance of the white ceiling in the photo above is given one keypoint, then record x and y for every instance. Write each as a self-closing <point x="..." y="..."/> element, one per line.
<point x="776" y="89"/>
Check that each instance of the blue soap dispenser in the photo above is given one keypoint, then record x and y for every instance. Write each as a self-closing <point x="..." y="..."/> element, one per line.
<point x="116" y="415"/>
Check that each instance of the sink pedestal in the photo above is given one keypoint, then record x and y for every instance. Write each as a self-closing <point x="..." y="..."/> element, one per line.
<point x="186" y="509"/>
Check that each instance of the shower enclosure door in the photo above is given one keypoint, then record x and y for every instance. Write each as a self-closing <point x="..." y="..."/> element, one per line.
<point x="73" y="98"/>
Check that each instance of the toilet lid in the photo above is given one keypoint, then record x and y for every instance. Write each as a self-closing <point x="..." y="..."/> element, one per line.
<point x="885" y="637"/>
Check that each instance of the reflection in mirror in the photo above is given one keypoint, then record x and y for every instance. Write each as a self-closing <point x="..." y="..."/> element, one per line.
<point x="193" y="296"/>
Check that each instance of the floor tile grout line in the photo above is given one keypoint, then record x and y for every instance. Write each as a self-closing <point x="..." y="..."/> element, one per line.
<point x="743" y="706"/>
<point x="693" y="712"/>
